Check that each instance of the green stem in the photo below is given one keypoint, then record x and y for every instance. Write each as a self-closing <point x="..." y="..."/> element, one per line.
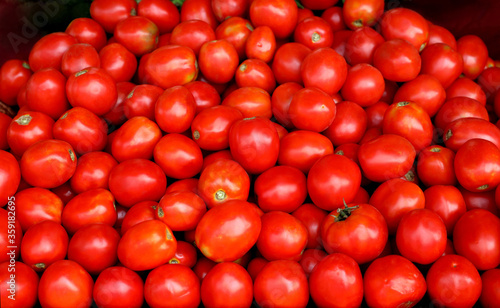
<point x="178" y="3"/>
<point x="299" y="5"/>
<point x="344" y="213"/>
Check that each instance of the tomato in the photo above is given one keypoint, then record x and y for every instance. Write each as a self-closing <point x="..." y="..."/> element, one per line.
<point x="479" y="200"/>
<point x="394" y="198"/>
<point x="333" y="180"/>
<point x="172" y="285"/>
<point x="476" y="236"/>
<point x="13" y="75"/>
<point x="435" y="166"/>
<point x="314" y="32"/>
<point x="227" y="284"/>
<point x="255" y="73"/>
<point x="14" y="238"/>
<point x="92" y="171"/>
<point x="138" y="34"/>
<point x="397" y="60"/>
<point x="254" y="144"/>
<point x="4" y="126"/>
<point x="383" y="280"/>
<point x="20" y="285"/>
<point x="474" y="54"/>
<point x="279" y="15"/>
<point x="48" y="163"/>
<point x="199" y="10"/>
<point x="255" y="266"/>
<point x="425" y="90"/>
<point x="361" y="13"/>
<point x="477" y="165"/>
<point x="223" y="180"/>
<point x="458" y="132"/>
<point x="180" y="210"/>
<point x="280" y="188"/>
<point x="136" y="138"/>
<point x="250" y="101"/>
<point x="375" y="114"/>
<point x="358" y="231"/>
<point x="459" y="107"/>
<point x="45" y="92"/>
<point x="325" y="69"/>
<point x="442" y="62"/>
<point x="312" y="109"/>
<point x="64" y="192"/>
<point x="139" y="212"/>
<point x="205" y="95"/>
<point x="87" y="31"/>
<point x="261" y="44"/>
<point x="375" y="162"/>
<point x="193" y="34"/>
<point x="281" y="283"/>
<point x="137" y="180"/>
<point x="190" y="184"/>
<point x="360" y="45"/>
<point x="438" y="34"/>
<point x="163" y="13"/>
<point x="10" y="176"/>
<point x="48" y="51"/>
<point x="108" y="14"/>
<point x="364" y="85"/>
<point x="119" y="286"/>
<point x="280" y="102"/>
<point x="405" y="24"/>
<point x="287" y="62"/>
<point x="203" y="266"/>
<point x="35" y="204"/>
<point x="65" y="284"/>
<point x="118" y="62"/>
<point x="447" y="202"/>
<point x="224" y="10"/>
<point x="491" y="285"/>
<point x="218" y="61"/>
<point x="235" y="30"/>
<point x="349" y="124"/>
<point x="77" y="57"/>
<point x="186" y="254"/>
<point x="453" y="281"/>
<point x="310" y="258"/>
<point x="341" y="271"/>
<point x="94" y="247"/>
<point x="43" y="244"/>
<point x="169" y="66"/>
<point x="92" y="206"/>
<point x="178" y="156"/>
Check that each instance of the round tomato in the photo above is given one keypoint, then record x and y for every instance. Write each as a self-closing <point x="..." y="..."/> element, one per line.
<point x="405" y="24"/>
<point x="163" y="14"/>
<point x="397" y="60"/>
<point x="118" y="62"/>
<point x="48" y="51"/>
<point x="447" y="202"/>
<point x="186" y="254"/>
<point x="119" y="286"/>
<point x="255" y="73"/>
<point x="175" y="109"/>
<point x="312" y="109"/>
<point x="138" y="34"/>
<point x="178" y="156"/>
<point x="474" y="54"/>
<point x="181" y="210"/>
<point x="361" y="45"/>
<point x="324" y="69"/>
<point x="490" y="294"/>
<point x="279" y="15"/>
<point x="20" y="284"/>
<point x="458" y="108"/>
<point x="87" y="31"/>
<point x="135" y="139"/>
<point x="250" y="101"/>
<point x="27" y="128"/>
<point x="13" y="75"/>
<point x="361" y="13"/>
<point x="261" y="44"/>
<point x="349" y="124"/>
<point x="287" y="62"/>
<point x="218" y="60"/>
<point x="141" y="101"/>
<point x="92" y="171"/>
<point x="10" y="177"/>
<point x="461" y="130"/>
<point x="35" y="204"/>
<point x="442" y="62"/>
<point x="77" y="57"/>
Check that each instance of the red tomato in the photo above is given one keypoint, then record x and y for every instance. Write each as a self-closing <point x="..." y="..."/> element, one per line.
<point x="136" y="138"/>
<point x="92" y="171"/>
<point x="235" y="30"/>
<point x="281" y="283"/>
<point x="181" y="210"/>
<point x="287" y="62"/>
<point x="4" y="126"/>
<point x="341" y="271"/>
<point x="383" y="280"/>
<point x="139" y="212"/>
<point x="20" y="285"/>
<point x="172" y="285"/>
<point x="474" y="54"/>
<point x="48" y="51"/>
<point x="35" y="204"/>
<point x="77" y="57"/>
<point x="250" y="101"/>
<point x="397" y="60"/>
<point x="192" y="34"/>
<point x="435" y="166"/>
<point x="453" y="281"/>
<point x="375" y="114"/>
<point x="199" y="10"/>
<point x="92" y="88"/>
<point x="405" y="24"/>
<point x="146" y="245"/>
<point x="118" y="62"/>
<point x="468" y="88"/>
<point x="279" y="15"/>
<point x="64" y="192"/>
<point x="138" y="34"/>
<point x="314" y="32"/>
<point x="254" y="144"/>
<point x="14" y="238"/>
<point x="325" y="69"/>
<point x="48" y="163"/>
<point x="457" y="108"/>
<point x="178" y="156"/>
<point x="184" y="184"/>
<point x="310" y="258"/>
<point x="460" y="131"/>
<point x="447" y="202"/>
<point x="361" y="45"/>
<point x="332" y="14"/>
<point x="10" y="176"/>
<point x="43" y="244"/>
<point x="255" y="266"/>
<point x="349" y="124"/>
<point x="65" y="284"/>
<point x="227" y="285"/>
<point x="45" y="92"/>
<point x="175" y="109"/>
<point x="358" y="231"/>
<point x="87" y="31"/>
<point x="477" y="165"/>
<point x="364" y="85"/>
<point x="261" y="44"/>
<point x="394" y="198"/>
<point x="108" y="14"/>
<point x="13" y="75"/>
<point x="218" y="61"/>
<point x="94" y="247"/>
<point x="186" y="254"/>
<point x="490" y="294"/>
<point x="479" y="200"/>
<point x="280" y="102"/>
<point x="425" y="90"/>
<point x="205" y="95"/>
<point x="137" y="180"/>
<point x="255" y="73"/>
<point x="476" y="236"/>
<point x="163" y="13"/>
<point x="312" y="217"/>
<point x="442" y="62"/>
<point x="119" y="286"/>
<point x="438" y="34"/>
<point x="203" y="266"/>
<point x="312" y="109"/>
<point x="224" y="10"/>
<point x="361" y="13"/>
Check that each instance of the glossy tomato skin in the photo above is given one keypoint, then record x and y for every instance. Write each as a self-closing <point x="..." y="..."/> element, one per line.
<point x="65" y="284"/>
<point x="442" y="62"/>
<point x="135" y="139"/>
<point x="178" y="156"/>
<point x="261" y="44"/>
<point x="254" y="144"/>
<point x="373" y="157"/>
<point x="425" y="90"/>
<point x="163" y="13"/>
<point x="186" y="254"/>
<point x="172" y="285"/>
<point x="218" y="61"/>
<point x="227" y="285"/>
<point x="48" y="163"/>
<point x="5" y="238"/>
<point x="205" y="95"/>
<point x="146" y="245"/>
<point x="175" y="109"/>
<point x="139" y="212"/>
<point x="438" y="34"/>
<point x="181" y="210"/>
<point x="447" y="202"/>
<point x="281" y="283"/>
<point x="22" y="283"/>
<point x="490" y="294"/>
<point x="92" y="171"/>
<point x="87" y="31"/>
<point x="287" y="62"/>
<point x="48" y="51"/>
<point x="118" y="62"/>
<point x="325" y="69"/>
<point x="279" y="15"/>
<point x="199" y="10"/>
<point x="109" y="14"/>
<point x="255" y="73"/>
<point x="92" y="206"/>
<point x="77" y="57"/>
<point x="458" y="108"/>
<point x="474" y="54"/>
<point x="312" y="109"/>
<point x="27" y="128"/>
<point x="13" y="75"/>
<point x="333" y="180"/>
<point x="405" y="24"/>
<point x="349" y="124"/>
<point x="193" y="34"/>
<point x="435" y="166"/>
<point x="141" y="101"/>
<point x="314" y="32"/>
<point x="361" y="45"/>
<point x="43" y="244"/>
<point x="119" y="285"/>
<point x="137" y="180"/>
<point x="476" y="236"/>
<point x="394" y="198"/>
<point x="342" y="271"/>
<point x="217" y="235"/>
<point x="250" y="101"/>
<point x="280" y="102"/>
<point x="468" y="88"/>
<point x="364" y="85"/>
<point x="312" y="217"/>
<point x="383" y="278"/>
<point x="362" y="235"/>
<point x="35" y="204"/>
<point x="458" y="132"/>
<point x="138" y="34"/>
<point x="10" y="176"/>
<point x="453" y="281"/>
<point x="397" y="60"/>
<point x="94" y="247"/>
<point x="235" y="30"/>
<point x="358" y="14"/>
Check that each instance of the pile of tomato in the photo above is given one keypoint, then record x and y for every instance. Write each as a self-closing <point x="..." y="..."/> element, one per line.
<point x="236" y="153"/>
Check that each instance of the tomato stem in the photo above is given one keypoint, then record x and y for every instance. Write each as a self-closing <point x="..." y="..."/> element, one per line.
<point x="344" y="213"/>
<point x="299" y="5"/>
